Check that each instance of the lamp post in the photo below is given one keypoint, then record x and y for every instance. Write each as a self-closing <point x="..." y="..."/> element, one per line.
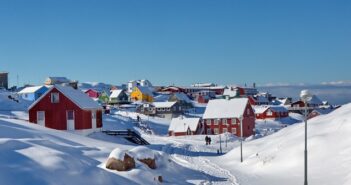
<point x="305" y="96"/>
<point x="241" y="138"/>
<point x="220" y="144"/>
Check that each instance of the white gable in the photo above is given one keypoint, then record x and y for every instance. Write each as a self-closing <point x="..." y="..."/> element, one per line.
<point x="181" y="124"/>
<point x="222" y="108"/>
<point x="115" y="93"/>
<point x="78" y="97"/>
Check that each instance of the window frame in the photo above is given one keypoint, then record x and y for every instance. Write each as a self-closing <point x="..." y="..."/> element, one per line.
<point x="55" y="97"/>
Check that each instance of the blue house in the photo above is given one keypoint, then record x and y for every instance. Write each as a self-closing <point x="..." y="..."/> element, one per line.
<point x="32" y="93"/>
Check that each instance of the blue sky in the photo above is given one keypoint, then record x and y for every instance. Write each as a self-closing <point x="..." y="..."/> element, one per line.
<point x="179" y="41"/>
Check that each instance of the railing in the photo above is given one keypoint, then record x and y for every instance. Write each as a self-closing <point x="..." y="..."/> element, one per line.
<point x="300" y="108"/>
<point x="129" y="135"/>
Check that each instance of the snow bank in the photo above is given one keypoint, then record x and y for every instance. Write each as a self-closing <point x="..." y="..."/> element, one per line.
<point x="142" y="152"/>
<point x="14" y="104"/>
<point x="118" y="154"/>
<point x="279" y="158"/>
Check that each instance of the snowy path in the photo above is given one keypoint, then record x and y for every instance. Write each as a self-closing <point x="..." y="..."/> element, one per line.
<point x="190" y="156"/>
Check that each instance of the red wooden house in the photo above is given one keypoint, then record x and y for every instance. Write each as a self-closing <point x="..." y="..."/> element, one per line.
<point x="92" y="93"/>
<point x="224" y="115"/>
<point x="64" y="108"/>
<point x="271" y="112"/>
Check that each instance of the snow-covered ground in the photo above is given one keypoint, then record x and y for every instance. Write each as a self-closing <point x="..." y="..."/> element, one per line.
<point x="274" y="156"/>
<point x="278" y="158"/>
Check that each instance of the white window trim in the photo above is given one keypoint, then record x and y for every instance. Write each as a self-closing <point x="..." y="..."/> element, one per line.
<point x="216" y="121"/>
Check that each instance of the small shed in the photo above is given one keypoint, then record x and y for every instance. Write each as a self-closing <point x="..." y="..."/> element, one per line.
<point x="271" y="112"/>
<point x="118" y="97"/>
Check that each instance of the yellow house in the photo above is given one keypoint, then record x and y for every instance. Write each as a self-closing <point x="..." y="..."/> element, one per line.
<point x="140" y="93"/>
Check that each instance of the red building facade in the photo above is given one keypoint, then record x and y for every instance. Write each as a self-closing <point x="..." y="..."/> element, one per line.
<point x="92" y="93"/>
<point x="64" y="108"/>
<point x="218" y="122"/>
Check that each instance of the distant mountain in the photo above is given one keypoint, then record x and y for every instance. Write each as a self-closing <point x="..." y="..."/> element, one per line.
<point x="334" y="92"/>
<point x="99" y="86"/>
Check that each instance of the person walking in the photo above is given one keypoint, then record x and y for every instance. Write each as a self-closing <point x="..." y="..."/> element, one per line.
<point x="209" y="140"/>
<point x="206" y="139"/>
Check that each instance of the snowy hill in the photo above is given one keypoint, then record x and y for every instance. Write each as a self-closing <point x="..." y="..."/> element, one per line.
<point x="31" y="154"/>
<point x="278" y="158"/>
<point x="11" y="102"/>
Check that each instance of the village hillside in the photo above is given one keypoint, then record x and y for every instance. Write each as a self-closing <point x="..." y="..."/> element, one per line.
<point x="63" y="131"/>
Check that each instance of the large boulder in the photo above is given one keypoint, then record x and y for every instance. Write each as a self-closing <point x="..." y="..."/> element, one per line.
<point x="120" y="160"/>
<point x="144" y="155"/>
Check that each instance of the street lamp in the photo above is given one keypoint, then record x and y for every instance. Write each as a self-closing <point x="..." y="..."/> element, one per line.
<point x="305" y="96"/>
<point x="241" y="138"/>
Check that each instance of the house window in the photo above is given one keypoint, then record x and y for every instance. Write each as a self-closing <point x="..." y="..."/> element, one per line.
<point x="41" y="115"/>
<point x="225" y="121"/>
<point x="269" y="113"/>
<point x="248" y="111"/>
<point x="234" y="131"/>
<point x="225" y="130"/>
<point x="208" y="122"/>
<point x="209" y="131"/>
<point x="216" y="121"/>
<point x="70" y="115"/>
<point x="55" y="98"/>
<point x="216" y="131"/>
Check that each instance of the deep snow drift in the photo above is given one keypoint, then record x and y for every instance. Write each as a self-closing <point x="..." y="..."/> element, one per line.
<point x="279" y="158"/>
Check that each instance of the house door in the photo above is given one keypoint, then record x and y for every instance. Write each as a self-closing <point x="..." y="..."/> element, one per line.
<point x="93" y="119"/>
<point x="70" y="120"/>
<point x="41" y="118"/>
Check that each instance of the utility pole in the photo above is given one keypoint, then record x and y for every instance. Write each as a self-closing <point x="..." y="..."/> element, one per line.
<point x="241" y="139"/>
<point x="220" y="144"/>
<point x="305" y="96"/>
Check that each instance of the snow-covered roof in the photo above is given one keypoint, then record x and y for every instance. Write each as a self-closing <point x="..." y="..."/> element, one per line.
<point x="115" y="93"/>
<point x="323" y="111"/>
<point x="183" y="97"/>
<point x="279" y="109"/>
<point x="262" y="109"/>
<point x="181" y="124"/>
<point x="161" y="97"/>
<point x="262" y="99"/>
<point x="78" y="97"/>
<point x="223" y="108"/>
<point x="30" y="89"/>
<point x="163" y="104"/>
<point x="145" y="90"/>
<point x="230" y="93"/>
<point x="58" y="79"/>
<point x="315" y="100"/>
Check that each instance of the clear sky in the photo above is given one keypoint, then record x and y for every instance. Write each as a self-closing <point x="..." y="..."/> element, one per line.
<point x="178" y="41"/>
